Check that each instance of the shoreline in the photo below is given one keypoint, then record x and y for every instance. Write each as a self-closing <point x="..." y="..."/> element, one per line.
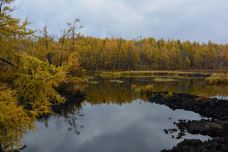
<point x="215" y="127"/>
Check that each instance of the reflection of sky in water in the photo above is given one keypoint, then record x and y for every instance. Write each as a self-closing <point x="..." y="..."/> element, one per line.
<point x="220" y="97"/>
<point x="131" y="127"/>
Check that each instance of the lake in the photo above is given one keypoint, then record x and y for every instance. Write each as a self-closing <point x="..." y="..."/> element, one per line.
<point x="114" y="117"/>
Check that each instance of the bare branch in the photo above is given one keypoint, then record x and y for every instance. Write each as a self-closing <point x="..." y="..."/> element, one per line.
<point x="7" y="62"/>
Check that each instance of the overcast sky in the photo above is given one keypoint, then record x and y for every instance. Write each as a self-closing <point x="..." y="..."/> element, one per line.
<point x="199" y="20"/>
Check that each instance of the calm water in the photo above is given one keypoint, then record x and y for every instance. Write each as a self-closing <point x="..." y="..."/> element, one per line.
<point x="116" y="118"/>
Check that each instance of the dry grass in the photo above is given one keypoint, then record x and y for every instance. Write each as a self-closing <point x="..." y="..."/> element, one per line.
<point x="116" y="81"/>
<point x="218" y="78"/>
<point x="170" y="74"/>
<point x="164" y="80"/>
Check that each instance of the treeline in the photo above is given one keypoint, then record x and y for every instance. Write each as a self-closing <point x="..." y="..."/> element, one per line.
<point x="150" y="54"/>
<point x="119" y="54"/>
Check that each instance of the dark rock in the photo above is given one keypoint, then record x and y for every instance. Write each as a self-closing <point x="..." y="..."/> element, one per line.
<point x="170" y="131"/>
<point x="195" y="145"/>
<point x="213" y="128"/>
<point x="213" y="108"/>
<point x="217" y="127"/>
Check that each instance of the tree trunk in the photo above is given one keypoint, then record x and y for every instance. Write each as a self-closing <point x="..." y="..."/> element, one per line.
<point x="73" y="38"/>
<point x="61" y="59"/>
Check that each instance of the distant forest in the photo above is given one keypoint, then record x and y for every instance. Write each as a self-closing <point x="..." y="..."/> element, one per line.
<point x="120" y="54"/>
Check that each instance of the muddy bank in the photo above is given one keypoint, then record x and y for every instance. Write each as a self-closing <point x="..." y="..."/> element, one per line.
<point x="215" y="127"/>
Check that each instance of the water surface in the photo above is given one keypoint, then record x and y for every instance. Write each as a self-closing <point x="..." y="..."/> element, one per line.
<point x="137" y="126"/>
<point x="116" y="118"/>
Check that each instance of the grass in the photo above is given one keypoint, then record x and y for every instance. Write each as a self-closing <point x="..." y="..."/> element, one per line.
<point x="116" y="81"/>
<point x="218" y="78"/>
<point x="93" y="82"/>
<point x="164" y="80"/>
<point x="169" y="74"/>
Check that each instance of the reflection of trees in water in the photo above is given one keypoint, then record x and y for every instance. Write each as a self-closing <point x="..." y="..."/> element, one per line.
<point x="193" y="86"/>
<point x="107" y="92"/>
<point x="70" y="112"/>
<point x="110" y="93"/>
<point x="14" y="121"/>
<point x="72" y="121"/>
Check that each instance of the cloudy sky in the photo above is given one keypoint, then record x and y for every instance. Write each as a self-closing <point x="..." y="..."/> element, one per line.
<point x="199" y="20"/>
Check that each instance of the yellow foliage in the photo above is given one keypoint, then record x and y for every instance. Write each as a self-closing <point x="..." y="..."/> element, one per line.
<point x="14" y="120"/>
<point x="36" y="84"/>
<point x="73" y="64"/>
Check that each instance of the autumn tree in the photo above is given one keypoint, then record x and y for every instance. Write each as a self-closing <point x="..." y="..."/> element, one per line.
<point x="10" y="30"/>
<point x="73" y="31"/>
<point x="14" y="120"/>
<point x="34" y="80"/>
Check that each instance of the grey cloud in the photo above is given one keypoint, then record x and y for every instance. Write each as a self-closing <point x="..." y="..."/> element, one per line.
<point x="170" y="19"/>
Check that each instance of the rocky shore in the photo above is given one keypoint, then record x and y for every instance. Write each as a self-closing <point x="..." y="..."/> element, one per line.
<point x="211" y="108"/>
<point x="215" y="127"/>
<point x="196" y="145"/>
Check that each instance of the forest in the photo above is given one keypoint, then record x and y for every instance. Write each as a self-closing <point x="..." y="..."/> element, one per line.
<point x="97" y="54"/>
<point x="34" y="64"/>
